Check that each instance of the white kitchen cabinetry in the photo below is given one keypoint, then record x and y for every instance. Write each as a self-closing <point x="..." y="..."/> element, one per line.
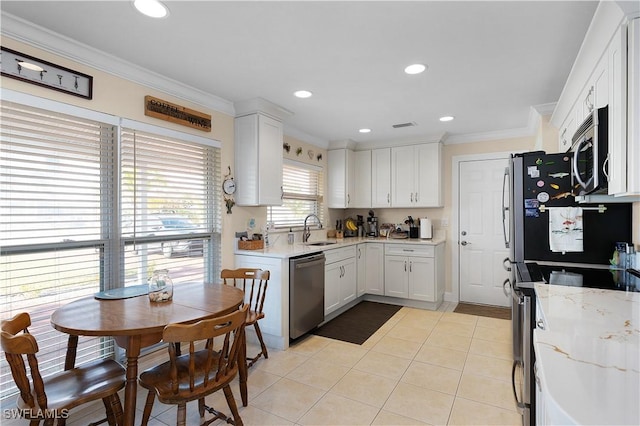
<point x="362" y="189"/>
<point x="341" y="178"/>
<point x="361" y="269"/>
<point x="414" y="272"/>
<point x="370" y="265"/>
<point x="594" y="95"/>
<point x="340" y="285"/>
<point x="381" y="177"/>
<point x="633" y="107"/>
<point x="604" y="74"/>
<point x="415" y="176"/>
<point x="567" y="129"/>
<point x="617" y="99"/>
<point x="258" y="160"/>
<point x="275" y="324"/>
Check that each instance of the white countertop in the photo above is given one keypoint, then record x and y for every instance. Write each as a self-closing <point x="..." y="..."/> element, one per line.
<point x="588" y="356"/>
<point x="291" y="250"/>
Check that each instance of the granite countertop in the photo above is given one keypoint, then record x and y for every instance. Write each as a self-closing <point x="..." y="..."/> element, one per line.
<point x="285" y="250"/>
<point x="588" y="355"/>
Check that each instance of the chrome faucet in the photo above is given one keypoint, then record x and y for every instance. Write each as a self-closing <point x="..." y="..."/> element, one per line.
<point x="306" y="233"/>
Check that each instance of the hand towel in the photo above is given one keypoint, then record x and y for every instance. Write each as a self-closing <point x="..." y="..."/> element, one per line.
<point x="565" y="229"/>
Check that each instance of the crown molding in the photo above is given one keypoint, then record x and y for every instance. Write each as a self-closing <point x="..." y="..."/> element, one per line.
<point x="535" y="114"/>
<point x="305" y="137"/>
<point x="39" y="37"/>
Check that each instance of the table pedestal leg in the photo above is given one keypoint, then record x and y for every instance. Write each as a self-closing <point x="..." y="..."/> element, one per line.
<point x="131" y="387"/>
<point x="72" y="348"/>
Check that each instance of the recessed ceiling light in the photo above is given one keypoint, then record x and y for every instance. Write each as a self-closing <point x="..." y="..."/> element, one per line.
<point x="415" y="69"/>
<point x="151" y="8"/>
<point x="446" y="118"/>
<point x="302" y="94"/>
<point x="365" y="130"/>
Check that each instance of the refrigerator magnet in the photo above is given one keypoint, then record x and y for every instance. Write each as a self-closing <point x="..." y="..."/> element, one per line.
<point x="531" y="213"/>
<point x="540" y="183"/>
<point x="543" y="197"/>
<point x="531" y="203"/>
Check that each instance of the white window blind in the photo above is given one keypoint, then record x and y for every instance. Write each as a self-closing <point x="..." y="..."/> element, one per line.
<point x="55" y="215"/>
<point x="86" y="206"/>
<point x="169" y="202"/>
<point x="302" y="195"/>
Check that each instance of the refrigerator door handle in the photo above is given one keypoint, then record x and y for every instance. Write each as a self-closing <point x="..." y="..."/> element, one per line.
<point x="519" y="404"/>
<point x="505" y="207"/>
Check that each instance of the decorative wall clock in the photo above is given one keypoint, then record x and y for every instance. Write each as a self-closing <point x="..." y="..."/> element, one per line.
<point x="229" y="188"/>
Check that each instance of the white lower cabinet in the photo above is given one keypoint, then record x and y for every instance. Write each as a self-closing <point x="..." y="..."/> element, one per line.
<point x="340" y="284"/>
<point x="374" y="268"/>
<point x="412" y="272"/>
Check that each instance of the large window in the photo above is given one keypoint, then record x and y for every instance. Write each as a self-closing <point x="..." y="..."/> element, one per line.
<point x="88" y="204"/>
<point x="169" y="201"/>
<point x="302" y="195"/>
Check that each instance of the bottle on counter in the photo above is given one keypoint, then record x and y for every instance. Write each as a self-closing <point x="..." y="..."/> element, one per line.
<point x="290" y="236"/>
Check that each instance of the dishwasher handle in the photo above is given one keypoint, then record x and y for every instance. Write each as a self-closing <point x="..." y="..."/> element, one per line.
<point x="309" y="262"/>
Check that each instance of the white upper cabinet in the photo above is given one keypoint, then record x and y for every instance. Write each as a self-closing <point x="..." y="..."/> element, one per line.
<point x="381" y="177"/>
<point x="362" y="188"/>
<point x="341" y="178"/>
<point x="604" y="74"/>
<point x="633" y="107"/>
<point x="258" y="160"/>
<point x="616" y="59"/>
<point x="415" y="176"/>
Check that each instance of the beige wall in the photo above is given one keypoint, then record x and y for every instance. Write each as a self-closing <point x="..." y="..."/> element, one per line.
<point x="114" y="95"/>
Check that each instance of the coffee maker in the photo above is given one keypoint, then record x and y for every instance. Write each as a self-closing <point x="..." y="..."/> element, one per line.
<point x="372" y="225"/>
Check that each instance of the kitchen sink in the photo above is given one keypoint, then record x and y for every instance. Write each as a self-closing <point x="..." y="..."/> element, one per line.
<point x="321" y="243"/>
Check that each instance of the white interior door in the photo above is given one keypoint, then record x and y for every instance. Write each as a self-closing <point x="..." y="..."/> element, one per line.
<point x="481" y="247"/>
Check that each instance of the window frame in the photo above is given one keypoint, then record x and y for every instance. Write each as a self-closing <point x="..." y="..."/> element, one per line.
<point x="109" y="244"/>
<point x="297" y="222"/>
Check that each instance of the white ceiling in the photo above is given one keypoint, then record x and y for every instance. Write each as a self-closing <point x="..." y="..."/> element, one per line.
<point x="488" y="62"/>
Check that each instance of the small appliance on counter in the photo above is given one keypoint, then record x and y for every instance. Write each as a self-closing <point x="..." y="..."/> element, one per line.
<point x="360" y="225"/>
<point x="372" y="225"/>
<point x="426" y="230"/>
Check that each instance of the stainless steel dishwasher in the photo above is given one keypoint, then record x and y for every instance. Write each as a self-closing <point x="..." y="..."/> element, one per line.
<point x="306" y="293"/>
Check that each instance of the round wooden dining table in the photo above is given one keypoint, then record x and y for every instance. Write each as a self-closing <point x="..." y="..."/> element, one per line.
<point x="136" y="323"/>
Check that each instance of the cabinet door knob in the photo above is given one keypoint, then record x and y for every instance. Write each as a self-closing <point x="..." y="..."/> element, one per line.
<point x="464" y="243"/>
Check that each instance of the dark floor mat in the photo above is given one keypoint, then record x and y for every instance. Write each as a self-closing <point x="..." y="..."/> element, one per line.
<point x="358" y="323"/>
<point x="484" y="310"/>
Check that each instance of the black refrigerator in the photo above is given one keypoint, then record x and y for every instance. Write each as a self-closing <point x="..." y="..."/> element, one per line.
<point x="536" y="184"/>
<point x="540" y="182"/>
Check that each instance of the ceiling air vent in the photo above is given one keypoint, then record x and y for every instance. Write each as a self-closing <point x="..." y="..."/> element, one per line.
<point x="398" y="126"/>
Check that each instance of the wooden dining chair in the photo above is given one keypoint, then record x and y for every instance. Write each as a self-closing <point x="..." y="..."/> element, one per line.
<point x="201" y="372"/>
<point x="43" y="399"/>
<point x="254" y="283"/>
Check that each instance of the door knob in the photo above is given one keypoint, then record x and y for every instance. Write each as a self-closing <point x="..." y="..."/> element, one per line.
<point x="463" y="233"/>
<point x="464" y="243"/>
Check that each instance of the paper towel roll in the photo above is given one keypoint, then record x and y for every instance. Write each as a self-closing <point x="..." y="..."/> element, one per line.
<point x="425" y="228"/>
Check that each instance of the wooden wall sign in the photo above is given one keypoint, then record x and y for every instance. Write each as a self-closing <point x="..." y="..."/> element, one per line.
<point x="157" y="108"/>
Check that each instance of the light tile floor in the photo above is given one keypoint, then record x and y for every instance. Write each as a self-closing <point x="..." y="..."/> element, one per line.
<point x="421" y="367"/>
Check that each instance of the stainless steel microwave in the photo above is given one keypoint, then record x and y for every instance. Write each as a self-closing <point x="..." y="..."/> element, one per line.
<point x="590" y="154"/>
